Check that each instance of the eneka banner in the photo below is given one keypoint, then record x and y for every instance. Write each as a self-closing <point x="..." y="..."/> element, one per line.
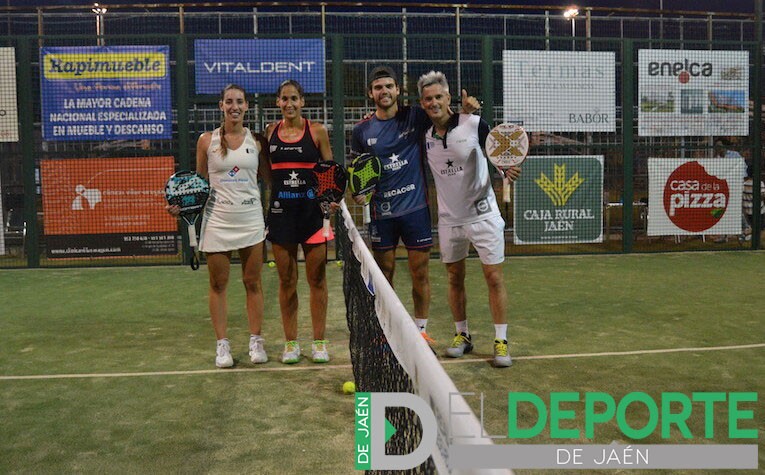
<point x="694" y="196"/>
<point x="693" y="92"/>
<point x="105" y="93"/>
<point x="258" y="65"/>
<point x="104" y="207"/>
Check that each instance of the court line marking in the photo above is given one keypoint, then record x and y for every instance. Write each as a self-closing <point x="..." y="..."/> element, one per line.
<point x="348" y="366"/>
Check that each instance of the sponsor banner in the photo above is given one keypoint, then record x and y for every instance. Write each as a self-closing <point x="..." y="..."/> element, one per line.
<point x="559" y="200"/>
<point x="560" y="91"/>
<point x="111" y="245"/>
<point x="107" y="206"/>
<point x="693" y="92"/>
<point x="106" y="93"/>
<point x="2" y="223"/>
<point x="694" y="196"/>
<point x="9" y="115"/>
<point x="258" y="65"/>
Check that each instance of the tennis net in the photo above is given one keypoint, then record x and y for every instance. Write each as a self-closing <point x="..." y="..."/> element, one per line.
<point x="389" y="355"/>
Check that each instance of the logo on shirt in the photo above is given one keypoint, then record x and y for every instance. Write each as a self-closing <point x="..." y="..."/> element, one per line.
<point x="398" y="191"/>
<point x="274" y="148"/>
<point x="371" y="141"/>
<point x="249" y="151"/>
<point x="482" y="206"/>
<point x="405" y="133"/>
<point x="294" y="181"/>
<point x="395" y="164"/>
<point x="233" y="171"/>
<point x="450" y="169"/>
<point x="385" y="207"/>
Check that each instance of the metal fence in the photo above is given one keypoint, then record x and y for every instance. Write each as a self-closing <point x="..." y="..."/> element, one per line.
<point x="466" y="45"/>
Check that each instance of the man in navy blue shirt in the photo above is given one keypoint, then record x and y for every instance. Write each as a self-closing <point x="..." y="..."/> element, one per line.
<point x="399" y="206"/>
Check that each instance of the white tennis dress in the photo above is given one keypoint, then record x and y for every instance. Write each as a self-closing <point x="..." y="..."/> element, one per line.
<point x="233" y="216"/>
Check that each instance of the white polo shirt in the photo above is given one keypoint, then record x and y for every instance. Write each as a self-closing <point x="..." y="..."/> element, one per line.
<point x="461" y="171"/>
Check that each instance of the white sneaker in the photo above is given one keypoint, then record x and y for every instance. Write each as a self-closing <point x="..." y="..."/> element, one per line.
<point x="291" y="352"/>
<point x="257" y="352"/>
<point x="223" y="357"/>
<point x="319" y="351"/>
<point x="501" y="357"/>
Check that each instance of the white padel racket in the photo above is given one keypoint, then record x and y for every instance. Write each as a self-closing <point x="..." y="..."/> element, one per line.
<point x="507" y="146"/>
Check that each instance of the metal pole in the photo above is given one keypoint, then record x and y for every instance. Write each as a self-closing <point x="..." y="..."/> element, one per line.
<point x="459" y="52"/>
<point x="628" y="149"/>
<point x="757" y="123"/>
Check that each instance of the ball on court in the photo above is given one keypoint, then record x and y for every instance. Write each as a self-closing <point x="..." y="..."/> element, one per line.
<point x="349" y="387"/>
<point x="271" y="264"/>
<point x="339" y="263"/>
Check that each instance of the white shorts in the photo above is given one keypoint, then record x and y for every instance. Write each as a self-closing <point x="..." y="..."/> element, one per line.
<point x="487" y="236"/>
<point x="222" y="231"/>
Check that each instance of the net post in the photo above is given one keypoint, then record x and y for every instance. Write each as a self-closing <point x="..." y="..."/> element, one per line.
<point x="628" y="146"/>
<point x="338" y="132"/>
<point x="757" y="126"/>
<point x="27" y="140"/>
<point x="182" y="98"/>
<point x="487" y="79"/>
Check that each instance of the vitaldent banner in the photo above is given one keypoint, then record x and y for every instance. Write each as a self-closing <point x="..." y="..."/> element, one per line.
<point x="9" y="117"/>
<point x="693" y="92"/>
<point x="694" y="196"/>
<point x="106" y="93"/>
<point x="104" y="207"/>
<point x="559" y="200"/>
<point x="258" y="65"/>
<point x="560" y="91"/>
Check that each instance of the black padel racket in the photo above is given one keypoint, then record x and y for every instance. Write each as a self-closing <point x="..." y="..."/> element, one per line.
<point x="329" y="187"/>
<point x="188" y="191"/>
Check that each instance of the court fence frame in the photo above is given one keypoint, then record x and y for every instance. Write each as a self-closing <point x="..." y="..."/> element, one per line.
<point x="480" y="68"/>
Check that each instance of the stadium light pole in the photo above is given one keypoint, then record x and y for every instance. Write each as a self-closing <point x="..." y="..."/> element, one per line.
<point x="99" y="11"/>
<point x="570" y="14"/>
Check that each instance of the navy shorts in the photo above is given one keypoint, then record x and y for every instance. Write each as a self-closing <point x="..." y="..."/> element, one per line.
<point x="413" y="229"/>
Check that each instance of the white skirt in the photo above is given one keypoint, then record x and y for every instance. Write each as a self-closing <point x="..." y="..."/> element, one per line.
<point x="228" y="231"/>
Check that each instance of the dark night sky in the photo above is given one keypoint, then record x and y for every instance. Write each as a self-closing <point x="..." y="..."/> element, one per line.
<point x="739" y="6"/>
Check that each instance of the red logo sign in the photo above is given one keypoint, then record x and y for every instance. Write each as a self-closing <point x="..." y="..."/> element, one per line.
<point x="693" y="199"/>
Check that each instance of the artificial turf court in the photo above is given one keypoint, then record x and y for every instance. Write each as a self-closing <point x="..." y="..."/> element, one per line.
<point x="111" y="369"/>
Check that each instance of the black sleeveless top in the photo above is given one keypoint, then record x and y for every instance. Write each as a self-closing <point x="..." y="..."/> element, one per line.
<point x="292" y="166"/>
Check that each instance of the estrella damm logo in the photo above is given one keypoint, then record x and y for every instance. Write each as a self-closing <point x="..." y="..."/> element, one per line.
<point x="559" y="189"/>
<point x="106" y="65"/>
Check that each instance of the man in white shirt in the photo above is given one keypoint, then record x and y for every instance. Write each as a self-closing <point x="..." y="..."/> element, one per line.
<point x="467" y="210"/>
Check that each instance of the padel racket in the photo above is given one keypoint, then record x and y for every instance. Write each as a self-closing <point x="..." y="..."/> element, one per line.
<point x="329" y="187"/>
<point x="188" y="191"/>
<point x="507" y="146"/>
<point x="363" y="176"/>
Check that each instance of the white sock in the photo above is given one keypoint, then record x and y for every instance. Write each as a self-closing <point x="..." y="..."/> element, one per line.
<point x="461" y="327"/>
<point x="222" y="340"/>
<point x="255" y="337"/>
<point x="500" y="331"/>
<point x="421" y="323"/>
